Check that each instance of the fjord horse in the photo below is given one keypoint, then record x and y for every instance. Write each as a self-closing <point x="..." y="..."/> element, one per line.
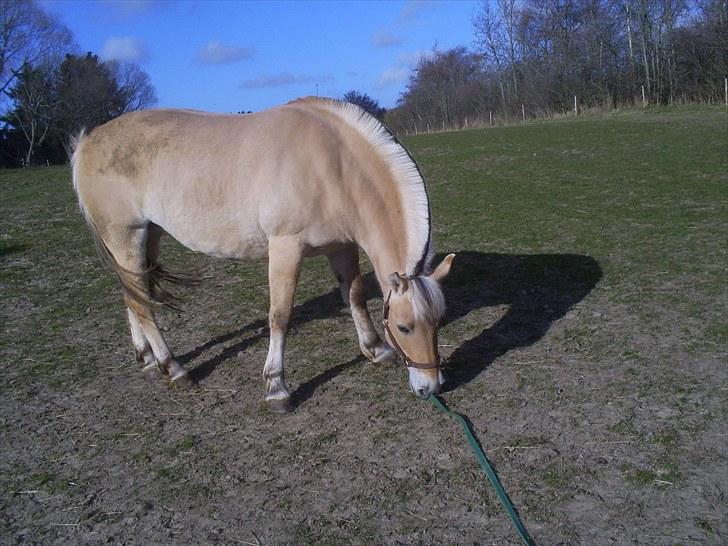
<point x="312" y="177"/>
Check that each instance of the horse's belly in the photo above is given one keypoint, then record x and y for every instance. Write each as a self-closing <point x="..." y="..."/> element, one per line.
<point x="220" y="239"/>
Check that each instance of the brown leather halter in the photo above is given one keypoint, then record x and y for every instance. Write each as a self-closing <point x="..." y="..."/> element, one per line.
<point x="408" y="362"/>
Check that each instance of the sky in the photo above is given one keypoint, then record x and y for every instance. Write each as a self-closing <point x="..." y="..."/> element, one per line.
<point x="231" y="56"/>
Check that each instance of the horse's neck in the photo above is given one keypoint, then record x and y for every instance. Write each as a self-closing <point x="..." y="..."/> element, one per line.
<point x="384" y="266"/>
<point x="384" y="239"/>
<point x="387" y="255"/>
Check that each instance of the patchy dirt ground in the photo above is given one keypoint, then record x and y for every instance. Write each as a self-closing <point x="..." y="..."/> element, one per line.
<point x="585" y="340"/>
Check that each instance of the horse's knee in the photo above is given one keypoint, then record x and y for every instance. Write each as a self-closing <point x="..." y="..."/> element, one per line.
<point x="357" y="293"/>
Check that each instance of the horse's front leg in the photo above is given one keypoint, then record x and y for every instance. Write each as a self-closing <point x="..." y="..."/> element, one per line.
<point x="284" y="261"/>
<point x="345" y="264"/>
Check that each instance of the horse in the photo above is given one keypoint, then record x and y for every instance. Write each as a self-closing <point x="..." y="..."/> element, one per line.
<point x="311" y="177"/>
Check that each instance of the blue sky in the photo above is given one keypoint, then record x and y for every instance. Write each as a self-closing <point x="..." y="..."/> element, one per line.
<point x="232" y="56"/>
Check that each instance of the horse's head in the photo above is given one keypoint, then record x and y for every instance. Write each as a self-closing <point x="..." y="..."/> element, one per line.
<point x="413" y="310"/>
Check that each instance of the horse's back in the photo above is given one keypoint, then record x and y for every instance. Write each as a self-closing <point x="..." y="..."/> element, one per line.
<point x="220" y="184"/>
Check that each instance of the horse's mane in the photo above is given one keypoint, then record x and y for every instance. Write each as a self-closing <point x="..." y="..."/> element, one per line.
<point x="427" y="299"/>
<point x="404" y="171"/>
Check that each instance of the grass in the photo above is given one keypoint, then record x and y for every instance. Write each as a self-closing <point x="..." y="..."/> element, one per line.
<point x="585" y="339"/>
<point x="586" y="186"/>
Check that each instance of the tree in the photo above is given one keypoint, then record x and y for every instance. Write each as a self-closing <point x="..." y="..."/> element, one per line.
<point x="91" y="92"/>
<point x="365" y="102"/>
<point x="701" y="52"/>
<point x="443" y="88"/>
<point x="28" y="36"/>
<point x="490" y="43"/>
<point x="135" y="89"/>
<point x="50" y="106"/>
<point x="35" y="107"/>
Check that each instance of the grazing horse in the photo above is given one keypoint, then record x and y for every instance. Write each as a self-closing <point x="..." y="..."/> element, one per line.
<point x="312" y="177"/>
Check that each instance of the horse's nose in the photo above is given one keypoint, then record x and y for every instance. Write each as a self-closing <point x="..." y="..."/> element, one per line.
<point x="423" y="392"/>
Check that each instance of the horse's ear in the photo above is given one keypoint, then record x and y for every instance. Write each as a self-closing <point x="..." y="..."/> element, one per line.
<point x="443" y="269"/>
<point x="398" y="283"/>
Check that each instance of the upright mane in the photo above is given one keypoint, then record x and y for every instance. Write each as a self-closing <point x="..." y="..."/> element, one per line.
<point x="407" y="175"/>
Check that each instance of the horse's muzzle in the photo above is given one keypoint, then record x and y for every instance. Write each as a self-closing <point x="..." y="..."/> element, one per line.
<point x="425" y="391"/>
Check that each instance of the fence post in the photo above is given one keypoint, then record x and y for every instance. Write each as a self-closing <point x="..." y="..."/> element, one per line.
<point x="443" y="125"/>
<point x="466" y="122"/>
<point x="725" y="83"/>
<point x="490" y="113"/>
<point x="523" y="112"/>
<point x="644" y="102"/>
<point x="576" y="111"/>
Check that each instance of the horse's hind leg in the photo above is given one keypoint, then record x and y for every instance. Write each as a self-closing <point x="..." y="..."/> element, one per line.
<point x="345" y="264"/>
<point x="142" y="349"/>
<point x="129" y="248"/>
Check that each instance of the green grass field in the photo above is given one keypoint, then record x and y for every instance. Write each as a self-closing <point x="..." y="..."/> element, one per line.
<point x="586" y="340"/>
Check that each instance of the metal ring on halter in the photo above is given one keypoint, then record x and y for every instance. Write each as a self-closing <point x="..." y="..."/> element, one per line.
<point x="400" y="352"/>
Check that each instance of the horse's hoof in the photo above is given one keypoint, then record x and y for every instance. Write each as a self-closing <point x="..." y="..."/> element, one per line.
<point x="367" y="353"/>
<point x="152" y="370"/>
<point x="383" y="353"/>
<point x="181" y="380"/>
<point x="280" y="405"/>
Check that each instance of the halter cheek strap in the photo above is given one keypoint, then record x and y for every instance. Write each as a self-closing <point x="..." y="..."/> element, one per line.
<point x="408" y="362"/>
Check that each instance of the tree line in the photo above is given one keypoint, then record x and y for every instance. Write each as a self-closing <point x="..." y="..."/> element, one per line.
<point x="49" y="91"/>
<point x="536" y="55"/>
<point x="530" y="56"/>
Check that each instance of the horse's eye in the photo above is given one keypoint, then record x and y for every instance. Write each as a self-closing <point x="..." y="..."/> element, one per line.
<point x="403" y="329"/>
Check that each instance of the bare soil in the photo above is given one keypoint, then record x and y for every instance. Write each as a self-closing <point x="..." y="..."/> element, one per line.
<point x="596" y="383"/>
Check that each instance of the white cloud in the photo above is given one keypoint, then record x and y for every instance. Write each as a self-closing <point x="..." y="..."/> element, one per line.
<point x="133" y="9"/>
<point x="399" y="73"/>
<point x="283" y="79"/>
<point x="411" y="59"/>
<point x="124" y="49"/>
<point x="412" y="9"/>
<point x="386" y="38"/>
<point x="392" y="76"/>
<point x="218" y="53"/>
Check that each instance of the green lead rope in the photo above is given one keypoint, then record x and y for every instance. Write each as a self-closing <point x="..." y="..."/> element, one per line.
<point x="488" y="469"/>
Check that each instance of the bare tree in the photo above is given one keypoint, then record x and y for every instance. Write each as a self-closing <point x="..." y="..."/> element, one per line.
<point x="489" y="42"/>
<point x="509" y="15"/>
<point x="28" y="36"/>
<point x="35" y="107"/>
<point x="442" y="90"/>
<point x="135" y="89"/>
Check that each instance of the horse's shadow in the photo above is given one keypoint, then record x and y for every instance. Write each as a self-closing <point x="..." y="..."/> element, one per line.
<point x="539" y="289"/>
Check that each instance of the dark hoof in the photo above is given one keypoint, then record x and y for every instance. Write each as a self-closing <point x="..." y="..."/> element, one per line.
<point x="280" y="405"/>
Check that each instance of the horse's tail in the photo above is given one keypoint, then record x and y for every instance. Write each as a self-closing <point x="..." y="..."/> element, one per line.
<point x="75" y="145"/>
<point x="145" y="289"/>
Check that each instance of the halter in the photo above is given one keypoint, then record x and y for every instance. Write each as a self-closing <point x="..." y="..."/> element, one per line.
<point x="408" y="362"/>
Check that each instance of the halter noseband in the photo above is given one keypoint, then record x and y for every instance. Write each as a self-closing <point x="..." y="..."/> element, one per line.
<point x="408" y="362"/>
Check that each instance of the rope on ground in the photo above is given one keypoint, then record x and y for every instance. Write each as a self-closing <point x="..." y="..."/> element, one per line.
<point x="488" y="469"/>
